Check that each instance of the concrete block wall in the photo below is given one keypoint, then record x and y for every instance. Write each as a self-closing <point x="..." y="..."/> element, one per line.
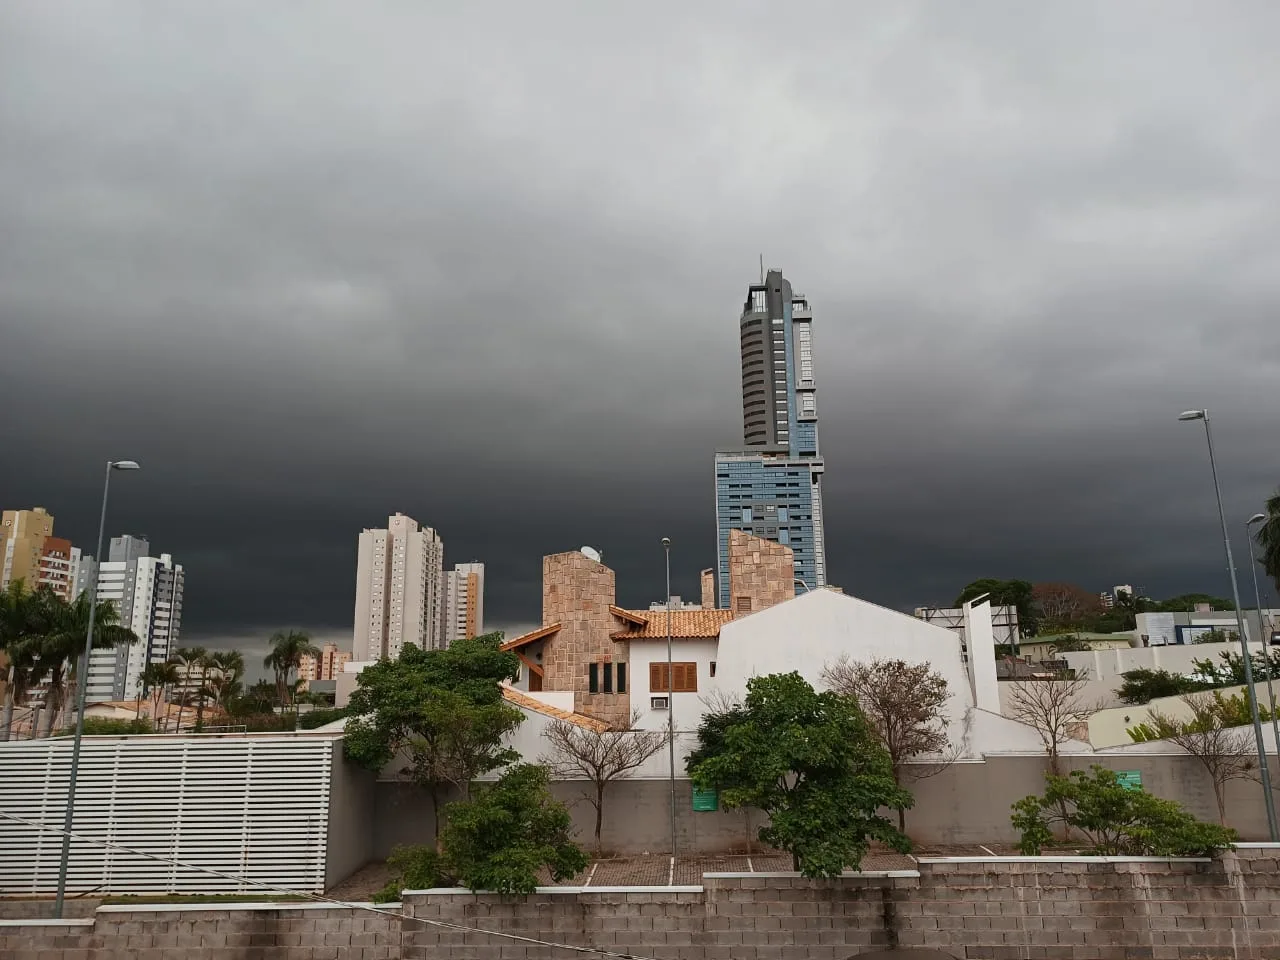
<point x="980" y="908"/>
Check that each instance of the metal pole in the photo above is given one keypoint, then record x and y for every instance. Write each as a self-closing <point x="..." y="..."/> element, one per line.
<point x="82" y="686"/>
<point x="1263" y="768"/>
<point x="671" y="702"/>
<point x="1262" y="633"/>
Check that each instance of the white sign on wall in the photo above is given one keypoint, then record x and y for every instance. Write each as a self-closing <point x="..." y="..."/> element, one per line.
<point x="1158" y="628"/>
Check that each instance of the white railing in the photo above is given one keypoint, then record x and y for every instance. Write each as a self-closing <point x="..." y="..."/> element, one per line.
<point x="251" y="807"/>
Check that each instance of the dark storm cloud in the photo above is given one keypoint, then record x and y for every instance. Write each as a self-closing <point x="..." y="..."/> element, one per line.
<point x="482" y="265"/>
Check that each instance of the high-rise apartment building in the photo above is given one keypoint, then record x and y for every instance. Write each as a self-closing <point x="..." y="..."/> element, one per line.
<point x="147" y="592"/>
<point x="22" y="537"/>
<point x="399" y="587"/>
<point x="327" y="666"/>
<point x="772" y="488"/>
<point x="463" y="602"/>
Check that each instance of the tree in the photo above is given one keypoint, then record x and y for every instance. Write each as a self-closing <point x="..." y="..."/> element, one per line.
<point x="812" y="762"/>
<point x="288" y="647"/>
<point x="599" y="754"/>
<point x="158" y="677"/>
<point x="1004" y="593"/>
<point x="1063" y="605"/>
<point x="500" y="838"/>
<point x="224" y="682"/>
<point x="1069" y="643"/>
<point x="904" y="703"/>
<point x="1187" y="602"/>
<point x="62" y="631"/>
<point x="1231" y="671"/>
<point x="1143" y="685"/>
<point x="1116" y="821"/>
<point x="18" y="643"/>
<point x="1216" y="635"/>
<point x="1212" y="737"/>
<point x="439" y="712"/>
<point x="1268" y="539"/>
<point x="1055" y="709"/>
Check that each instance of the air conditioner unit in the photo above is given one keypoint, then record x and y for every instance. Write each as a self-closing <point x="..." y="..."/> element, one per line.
<point x="659" y="703"/>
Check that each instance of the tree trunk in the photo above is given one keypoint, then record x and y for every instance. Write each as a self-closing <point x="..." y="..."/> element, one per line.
<point x="599" y="814"/>
<point x="1220" y="795"/>
<point x="204" y="678"/>
<point x="6" y="721"/>
<point x="435" y="818"/>
<point x="902" y="820"/>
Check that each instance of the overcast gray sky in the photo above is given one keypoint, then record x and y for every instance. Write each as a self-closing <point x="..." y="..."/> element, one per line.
<point x="482" y="263"/>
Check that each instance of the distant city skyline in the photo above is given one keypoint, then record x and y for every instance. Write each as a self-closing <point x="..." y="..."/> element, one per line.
<point x="462" y="283"/>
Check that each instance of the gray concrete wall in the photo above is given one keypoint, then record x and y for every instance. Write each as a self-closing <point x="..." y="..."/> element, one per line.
<point x="985" y="909"/>
<point x="352" y="794"/>
<point x="968" y="802"/>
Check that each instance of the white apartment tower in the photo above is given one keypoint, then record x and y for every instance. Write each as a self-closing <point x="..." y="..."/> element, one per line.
<point x="147" y="592"/>
<point x="463" y="602"/>
<point x="399" y="589"/>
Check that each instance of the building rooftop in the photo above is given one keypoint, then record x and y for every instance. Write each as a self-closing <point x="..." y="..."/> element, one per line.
<point x="685" y="624"/>
<point x="518" y="698"/>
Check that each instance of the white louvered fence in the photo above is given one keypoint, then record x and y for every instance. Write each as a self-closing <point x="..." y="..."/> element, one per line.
<point x="250" y="806"/>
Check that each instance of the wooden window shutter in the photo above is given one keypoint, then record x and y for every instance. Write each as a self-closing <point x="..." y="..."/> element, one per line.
<point x="657" y="677"/>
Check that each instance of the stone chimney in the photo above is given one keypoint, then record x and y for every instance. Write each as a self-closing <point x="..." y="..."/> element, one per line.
<point x="708" y="589"/>
<point x="761" y="573"/>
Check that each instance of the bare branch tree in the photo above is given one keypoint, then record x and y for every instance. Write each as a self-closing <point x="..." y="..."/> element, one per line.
<point x="1225" y="752"/>
<point x="904" y="702"/>
<point x="1057" y="709"/>
<point x="600" y="755"/>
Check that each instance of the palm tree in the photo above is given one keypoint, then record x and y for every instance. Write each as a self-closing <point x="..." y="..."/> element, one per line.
<point x="287" y="650"/>
<point x="62" y="631"/>
<point x="16" y="615"/>
<point x="1268" y="539"/>
<point x="158" y="676"/>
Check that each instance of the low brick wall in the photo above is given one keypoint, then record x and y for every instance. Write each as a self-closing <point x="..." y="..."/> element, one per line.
<point x="998" y="908"/>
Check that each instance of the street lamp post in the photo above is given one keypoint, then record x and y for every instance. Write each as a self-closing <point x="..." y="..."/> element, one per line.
<point x="1262" y="629"/>
<point x="1263" y="769"/>
<point x="795" y="580"/>
<point x="82" y="686"/>
<point x="671" y="702"/>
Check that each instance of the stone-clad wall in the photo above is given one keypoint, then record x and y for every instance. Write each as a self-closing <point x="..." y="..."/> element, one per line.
<point x="761" y="573"/>
<point x="1001" y="909"/>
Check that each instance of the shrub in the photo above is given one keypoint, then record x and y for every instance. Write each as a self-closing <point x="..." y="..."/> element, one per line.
<point x="106" y="727"/>
<point x="1115" y="820"/>
<point x="1143" y="685"/>
<point x="318" y="718"/>
<point x="415" y="868"/>
<point x="508" y="831"/>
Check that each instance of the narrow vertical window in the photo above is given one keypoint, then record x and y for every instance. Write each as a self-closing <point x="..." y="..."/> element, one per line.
<point x="593" y="678"/>
<point x="608" y="677"/>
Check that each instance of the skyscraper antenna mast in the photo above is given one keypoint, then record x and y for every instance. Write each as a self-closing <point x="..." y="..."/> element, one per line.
<point x="762" y="268"/>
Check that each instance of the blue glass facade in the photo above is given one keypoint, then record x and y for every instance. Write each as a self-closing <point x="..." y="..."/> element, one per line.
<point x="773" y="487"/>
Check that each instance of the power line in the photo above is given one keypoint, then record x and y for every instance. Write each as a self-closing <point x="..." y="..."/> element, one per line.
<point x="318" y="898"/>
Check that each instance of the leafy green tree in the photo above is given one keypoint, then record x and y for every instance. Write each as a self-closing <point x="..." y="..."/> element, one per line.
<point x="813" y="763"/>
<point x="1115" y="820"/>
<point x="413" y="867"/>
<point x="438" y="712"/>
<point x="288" y="647"/>
<point x="1187" y="602"/>
<point x="1143" y="685"/>
<point x="19" y="643"/>
<point x="500" y="838"/>
<point x="1069" y="643"/>
<point x="1230" y="672"/>
<point x="1004" y="593"/>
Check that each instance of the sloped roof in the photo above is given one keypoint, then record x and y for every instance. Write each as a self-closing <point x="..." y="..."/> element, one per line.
<point x="524" y="701"/>
<point x="685" y="625"/>
<point x="529" y="637"/>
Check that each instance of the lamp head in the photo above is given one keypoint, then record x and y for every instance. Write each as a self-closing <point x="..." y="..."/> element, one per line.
<point x="125" y="465"/>
<point x="666" y="541"/>
<point x="1191" y="415"/>
<point x="1257" y="518"/>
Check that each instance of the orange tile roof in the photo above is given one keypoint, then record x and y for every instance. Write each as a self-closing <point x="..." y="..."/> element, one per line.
<point x="521" y="699"/>
<point x="631" y="616"/>
<point x="529" y="637"/>
<point x="685" y="625"/>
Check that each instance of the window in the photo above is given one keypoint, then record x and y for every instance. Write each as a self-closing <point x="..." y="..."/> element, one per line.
<point x="759" y="301"/>
<point x="608" y="677"/>
<point x="622" y="678"/>
<point x="593" y="678"/>
<point x="742" y="605"/>
<point x="713" y="668"/>
<point x="746" y="514"/>
<point x="686" y="678"/>
<point x="784" y="536"/>
<point x="782" y="514"/>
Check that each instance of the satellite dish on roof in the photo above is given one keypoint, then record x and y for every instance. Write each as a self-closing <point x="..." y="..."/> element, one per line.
<point x="591" y="553"/>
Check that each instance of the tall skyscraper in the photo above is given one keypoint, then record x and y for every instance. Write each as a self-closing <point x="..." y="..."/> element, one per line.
<point x="22" y="537"/>
<point x="147" y="592"/>
<point x="399" y="587"/>
<point x="772" y="488"/>
<point x="463" y="602"/>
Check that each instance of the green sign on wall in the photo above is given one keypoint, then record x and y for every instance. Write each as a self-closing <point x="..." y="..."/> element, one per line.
<point x="1130" y="779"/>
<point x="705" y="801"/>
